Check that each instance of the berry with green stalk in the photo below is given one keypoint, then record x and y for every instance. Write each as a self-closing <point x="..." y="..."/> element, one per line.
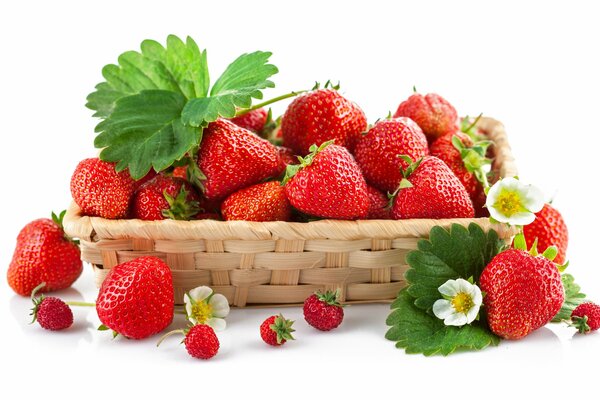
<point x="166" y="197"/>
<point x="200" y="341"/>
<point x="50" y="312"/>
<point x="323" y="310"/>
<point x="276" y="330"/>
<point x="586" y="317"/>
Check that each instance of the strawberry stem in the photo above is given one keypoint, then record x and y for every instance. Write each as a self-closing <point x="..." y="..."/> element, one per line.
<point x="166" y="335"/>
<point x="271" y="101"/>
<point x="80" y="304"/>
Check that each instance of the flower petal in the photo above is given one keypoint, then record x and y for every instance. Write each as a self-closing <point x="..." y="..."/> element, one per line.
<point x="472" y="313"/>
<point x="449" y="288"/>
<point x="443" y="308"/>
<point x="188" y="305"/>
<point x="521" y="218"/>
<point x="464" y="286"/>
<point x="220" y="305"/>
<point x="533" y="200"/>
<point x="456" y="319"/>
<point x="218" y="324"/>
<point x="200" y="293"/>
<point x="476" y="296"/>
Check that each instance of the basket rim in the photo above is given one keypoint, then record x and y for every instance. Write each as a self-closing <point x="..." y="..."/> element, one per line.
<point x="95" y="228"/>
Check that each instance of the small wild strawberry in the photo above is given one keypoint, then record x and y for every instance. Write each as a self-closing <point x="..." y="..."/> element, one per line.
<point x="276" y="330"/>
<point x="200" y="341"/>
<point x="323" y="311"/>
<point x="586" y="317"/>
<point x="50" y="312"/>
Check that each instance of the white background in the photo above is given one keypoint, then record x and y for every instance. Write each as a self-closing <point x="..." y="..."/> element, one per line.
<point x="532" y="65"/>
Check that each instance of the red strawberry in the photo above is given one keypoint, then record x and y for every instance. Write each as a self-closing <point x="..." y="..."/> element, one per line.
<point x="320" y="116"/>
<point x="254" y="120"/>
<point x="379" y="202"/>
<point x="101" y="191"/>
<point x="201" y="342"/>
<point x="328" y="184"/>
<point x="549" y="229"/>
<point x="276" y="330"/>
<point x="523" y="293"/>
<point x="323" y="311"/>
<point x="166" y="197"/>
<point x="180" y="172"/>
<point x="262" y="202"/>
<point x="44" y="254"/>
<point x="233" y="158"/>
<point x="586" y="317"/>
<point x="434" y="114"/>
<point x="444" y="149"/>
<point x="431" y="190"/>
<point x="378" y="150"/>
<point x="51" y="312"/>
<point x="136" y="298"/>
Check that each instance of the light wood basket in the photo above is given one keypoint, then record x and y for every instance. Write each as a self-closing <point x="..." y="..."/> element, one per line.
<point x="276" y="263"/>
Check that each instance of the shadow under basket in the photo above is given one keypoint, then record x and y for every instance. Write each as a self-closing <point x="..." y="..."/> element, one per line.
<point x="276" y="263"/>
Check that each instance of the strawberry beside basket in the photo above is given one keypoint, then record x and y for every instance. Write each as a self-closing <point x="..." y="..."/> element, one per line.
<point x="274" y="263"/>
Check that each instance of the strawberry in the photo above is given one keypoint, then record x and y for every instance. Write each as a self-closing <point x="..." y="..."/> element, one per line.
<point x="461" y="158"/>
<point x="136" y="298"/>
<point x="549" y="229"/>
<point x="254" y="120"/>
<point x="328" y="184"/>
<point x="262" y="202"/>
<point x="431" y="190"/>
<point x="100" y="191"/>
<point x="378" y="150"/>
<point x="586" y="317"/>
<point x="523" y="293"/>
<point x="232" y="158"/>
<point x="323" y="311"/>
<point x="165" y="197"/>
<point x="287" y="157"/>
<point x="378" y="208"/>
<point x="44" y="254"/>
<point x="201" y="342"/>
<point x="434" y="114"/>
<point x="51" y="312"/>
<point x="320" y="116"/>
<point x="276" y="330"/>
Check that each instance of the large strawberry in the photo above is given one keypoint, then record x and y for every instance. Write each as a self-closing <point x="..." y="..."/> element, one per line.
<point x="320" y="116"/>
<point x="434" y="114"/>
<point x="136" y="298"/>
<point x="99" y="190"/>
<point x="429" y="189"/>
<point x="466" y="159"/>
<point x="523" y="293"/>
<point x="44" y="254"/>
<point x="549" y="229"/>
<point x="262" y="202"/>
<point x="379" y="149"/>
<point x="232" y="158"/>
<point x="328" y="184"/>
<point x="166" y="197"/>
<point x="254" y="120"/>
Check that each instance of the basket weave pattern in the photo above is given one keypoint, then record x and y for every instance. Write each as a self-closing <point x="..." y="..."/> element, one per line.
<point x="275" y="263"/>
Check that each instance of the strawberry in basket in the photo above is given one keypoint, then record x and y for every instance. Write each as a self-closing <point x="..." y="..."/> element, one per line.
<point x="166" y="197"/>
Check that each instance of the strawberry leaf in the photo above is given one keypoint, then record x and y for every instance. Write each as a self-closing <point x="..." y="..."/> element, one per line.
<point x="243" y="80"/>
<point x="145" y="131"/>
<point x="179" y="67"/>
<point x="573" y="298"/>
<point x="456" y="253"/>
<point x="418" y="332"/>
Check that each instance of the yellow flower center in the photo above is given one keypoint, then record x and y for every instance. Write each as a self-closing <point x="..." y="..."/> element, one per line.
<point x="201" y="312"/>
<point x="462" y="302"/>
<point x="508" y="203"/>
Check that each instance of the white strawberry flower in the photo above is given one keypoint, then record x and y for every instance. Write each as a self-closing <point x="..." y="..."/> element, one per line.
<point x="460" y="304"/>
<point x="513" y="202"/>
<point x="203" y="306"/>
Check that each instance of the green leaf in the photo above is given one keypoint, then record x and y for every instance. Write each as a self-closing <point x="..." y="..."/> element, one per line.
<point x="573" y="298"/>
<point x="243" y="80"/>
<point x="416" y="331"/>
<point x="457" y="253"/>
<point x="145" y="131"/>
<point x="179" y="67"/>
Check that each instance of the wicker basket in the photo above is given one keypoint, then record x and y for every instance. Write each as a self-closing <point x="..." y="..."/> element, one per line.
<point x="275" y="263"/>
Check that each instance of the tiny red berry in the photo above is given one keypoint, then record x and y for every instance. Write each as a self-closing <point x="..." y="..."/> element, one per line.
<point x="201" y="342"/>
<point x="323" y="311"/>
<point x="586" y="317"/>
<point x="50" y="312"/>
<point x="276" y="330"/>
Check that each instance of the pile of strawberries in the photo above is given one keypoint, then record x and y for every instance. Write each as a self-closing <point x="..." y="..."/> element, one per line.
<point x="320" y="160"/>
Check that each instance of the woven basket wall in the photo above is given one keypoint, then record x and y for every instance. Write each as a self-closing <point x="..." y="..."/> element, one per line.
<point x="275" y="263"/>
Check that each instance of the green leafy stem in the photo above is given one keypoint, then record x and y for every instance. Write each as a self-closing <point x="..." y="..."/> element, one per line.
<point x="155" y="103"/>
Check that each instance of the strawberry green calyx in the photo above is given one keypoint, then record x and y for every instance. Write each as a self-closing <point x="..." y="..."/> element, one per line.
<point x="179" y="207"/>
<point x="58" y="220"/>
<point x="328" y="85"/>
<point x="474" y="158"/>
<point x="406" y="173"/>
<point x="329" y="297"/>
<point x="293" y="169"/>
<point x="283" y="328"/>
<point x="469" y="126"/>
<point x="550" y="253"/>
<point x="581" y="323"/>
